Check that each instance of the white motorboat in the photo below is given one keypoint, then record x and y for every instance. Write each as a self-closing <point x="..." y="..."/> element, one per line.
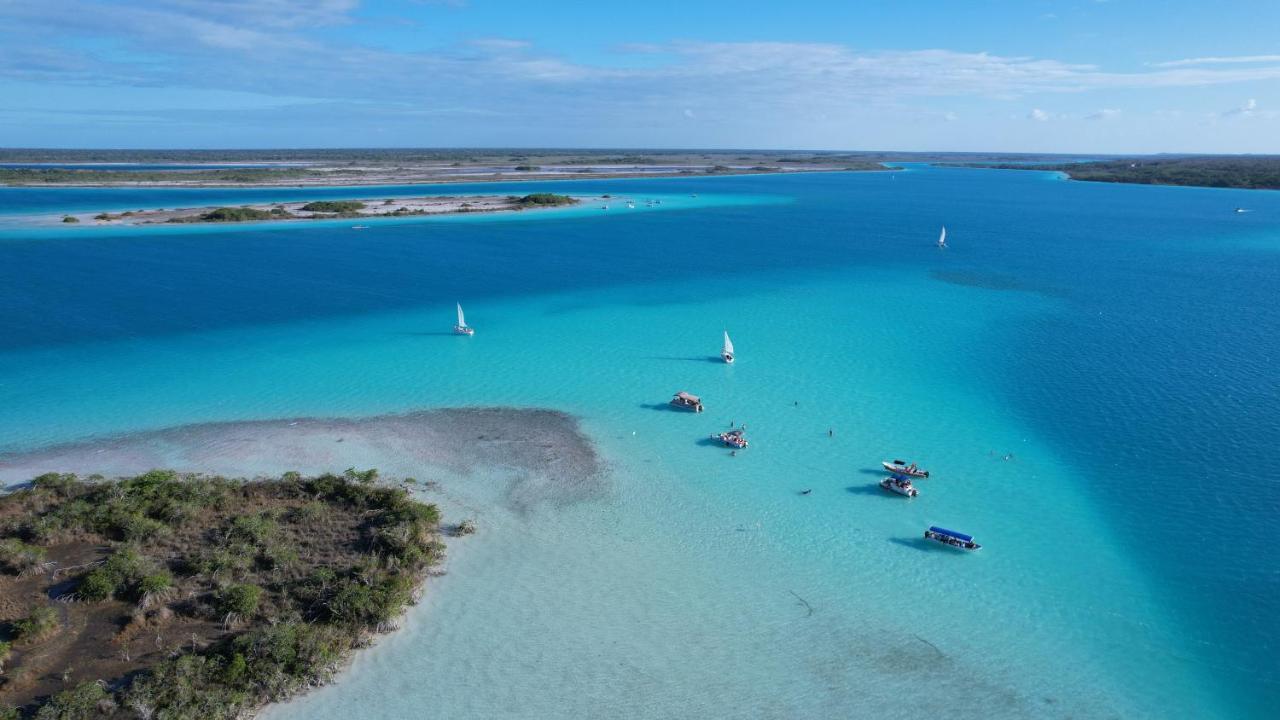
<point x="901" y="467"/>
<point x="899" y="484"/>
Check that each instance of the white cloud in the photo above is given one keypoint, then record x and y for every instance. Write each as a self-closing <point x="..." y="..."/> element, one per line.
<point x="1230" y="60"/>
<point x="689" y="113"/>
<point x="498" y="44"/>
<point x="1038" y="115"/>
<point x="1103" y="114"/>
<point x="1248" y="108"/>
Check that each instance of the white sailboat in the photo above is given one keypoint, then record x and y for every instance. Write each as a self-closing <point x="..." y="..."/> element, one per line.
<point x="726" y="351"/>
<point x="462" y="328"/>
<point x="942" y="239"/>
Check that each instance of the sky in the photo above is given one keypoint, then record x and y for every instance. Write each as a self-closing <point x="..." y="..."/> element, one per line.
<point x="1076" y="76"/>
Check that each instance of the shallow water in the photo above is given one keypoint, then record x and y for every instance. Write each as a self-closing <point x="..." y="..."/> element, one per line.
<point x="1080" y="330"/>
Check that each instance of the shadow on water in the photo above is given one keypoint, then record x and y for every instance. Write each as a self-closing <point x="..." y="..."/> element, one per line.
<point x="917" y="543"/>
<point x="429" y="334"/>
<point x="666" y="407"/>
<point x="873" y="471"/>
<point x="700" y="359"/>
<point x="868" y="490"/>
<point x="712" y="442"/>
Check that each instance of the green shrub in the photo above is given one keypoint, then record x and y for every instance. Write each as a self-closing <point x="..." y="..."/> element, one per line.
<point x="536" y="199"/>
<point x="253" y="529"/>
<point x="59" y="484"/>
<point x="155" y="583"/>
<point x="83" y="702"/>
<point x="96" y="586"/>
<point x="240" y="600"/>
<point x="18" y="556"/>
<point x="230" y="214"/>
<point x="70" y="219"/>
<point x="116" y="576"/>
<point x="41" y="623"/>
<point x="333" y="206"/>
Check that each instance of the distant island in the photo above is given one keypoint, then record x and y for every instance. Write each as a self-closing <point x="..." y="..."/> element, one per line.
<point x="187" y="596"/>
<point x="332" y="209"/>
<point x="280" y="168"/>
<point x="1248" y="172"/>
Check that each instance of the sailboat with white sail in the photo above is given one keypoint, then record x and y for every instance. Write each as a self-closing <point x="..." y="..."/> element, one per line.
<point x="462" y="328"/>
<point x="726" y="351"/>
<point x="942" y="239"/>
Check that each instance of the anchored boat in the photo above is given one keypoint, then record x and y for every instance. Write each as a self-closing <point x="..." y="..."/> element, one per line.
<point x="726" y="350"/>
<point x="955" y="539"/>
<point x="462" y="328"/>
<point x="899" y="484"/>
<point x="684" y="400"/>
<point x="734" y="439"/>
<point x="900" y="467"/>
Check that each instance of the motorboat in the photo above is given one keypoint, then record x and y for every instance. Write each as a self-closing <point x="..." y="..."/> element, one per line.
<point x="462" y="328"/>
<point x="900" y="484"/>
<point x="957" y="540"/>
<point x="900" y="467"/>
<point x="726" y="350"/>
<point x="687" y="401"/>
<point x="734" y="439"/>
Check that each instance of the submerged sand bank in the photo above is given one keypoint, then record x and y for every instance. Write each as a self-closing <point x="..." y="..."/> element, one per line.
<point x="542" y="455"/>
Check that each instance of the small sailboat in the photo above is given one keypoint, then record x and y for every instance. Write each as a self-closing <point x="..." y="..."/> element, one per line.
<point x="942" y="239"/>
<point x="726" y="351"/>
<point x="462" y="328"/>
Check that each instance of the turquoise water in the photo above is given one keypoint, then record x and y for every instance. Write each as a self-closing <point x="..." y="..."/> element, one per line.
<point x="1116" y="343"/>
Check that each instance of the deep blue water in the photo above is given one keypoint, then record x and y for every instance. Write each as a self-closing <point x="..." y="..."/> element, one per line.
<point x="1155" y="376"/>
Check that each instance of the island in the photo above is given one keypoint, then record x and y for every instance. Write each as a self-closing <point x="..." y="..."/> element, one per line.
<point x="178" y="595"/>
<point x="1246" y="172"/>
<point x="394" y="166"/>
<point x="332" y="209"/>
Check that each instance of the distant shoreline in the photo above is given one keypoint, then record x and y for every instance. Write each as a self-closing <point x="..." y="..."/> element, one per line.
<point x="392" y="179"/>
<point x="1230" y="173"/>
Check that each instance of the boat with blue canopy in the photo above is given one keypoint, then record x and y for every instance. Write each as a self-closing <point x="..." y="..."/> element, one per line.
<point x="951" y="537"/>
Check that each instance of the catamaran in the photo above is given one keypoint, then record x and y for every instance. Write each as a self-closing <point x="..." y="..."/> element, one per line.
<point x="462" y="328"/>
<point x="942" y="239"/>
<point x="952" y="538"/>
<point x="726" y="351"/>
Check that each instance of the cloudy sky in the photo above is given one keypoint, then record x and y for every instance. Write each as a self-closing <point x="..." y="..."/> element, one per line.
<point x="1027" y="75"/>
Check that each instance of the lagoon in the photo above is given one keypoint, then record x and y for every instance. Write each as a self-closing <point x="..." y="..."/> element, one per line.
<point x="1114" y="342"/>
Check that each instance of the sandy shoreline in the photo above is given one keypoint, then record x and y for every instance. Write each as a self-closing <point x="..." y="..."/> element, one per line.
<point x="294" y="210"/>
